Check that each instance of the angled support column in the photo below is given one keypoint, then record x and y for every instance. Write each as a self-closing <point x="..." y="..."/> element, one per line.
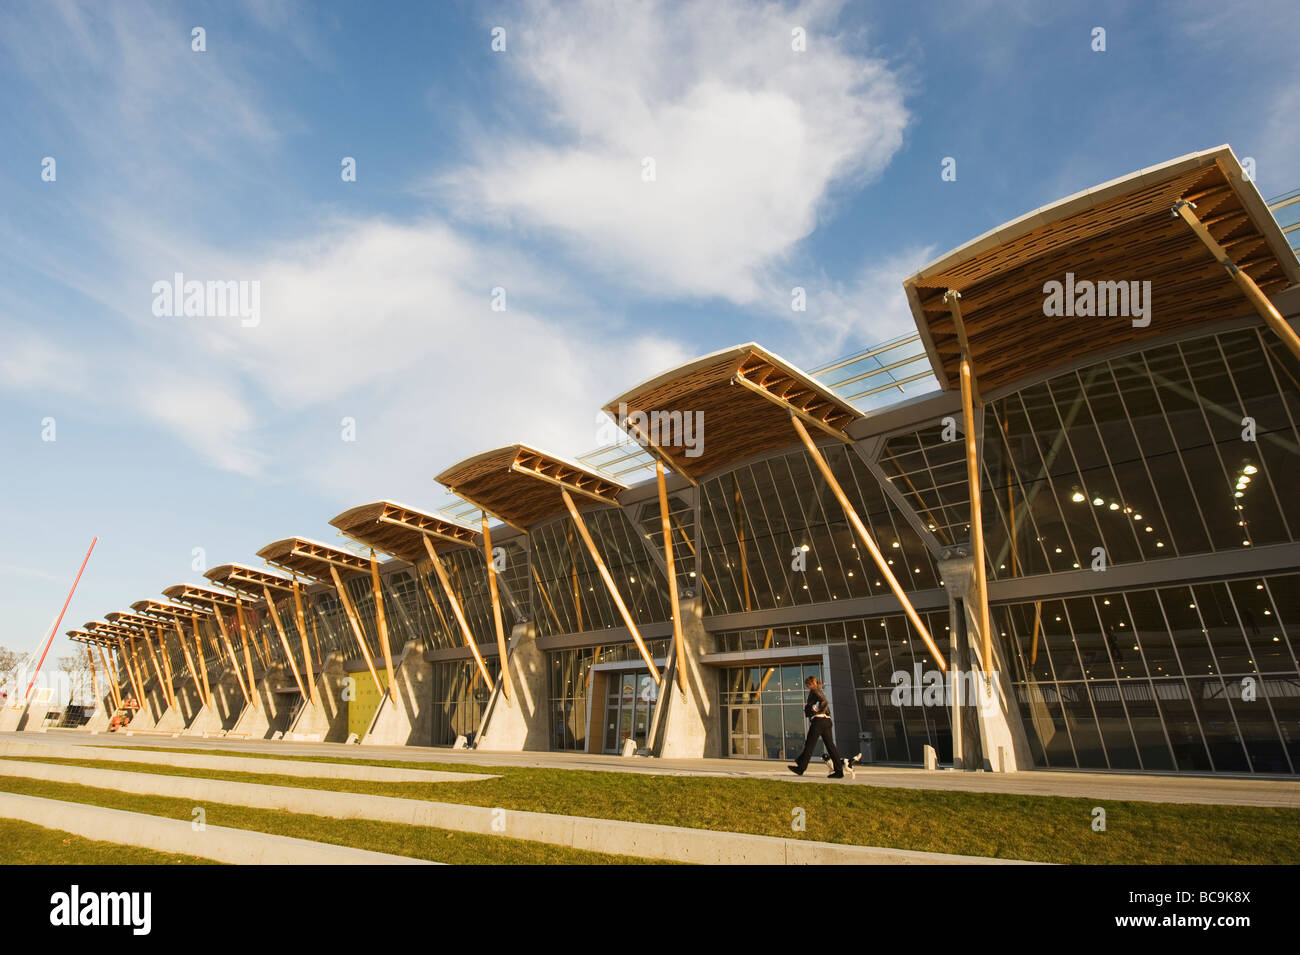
<point x="496" y="608"/>
<point x="248" y="659"/>
<point x="609" y="584"/>
<point x="189" y="661"/>
<point x="230" y="654"/>
<point x="157" y="669"/>
<point x="968" y="398"/>
<point x="671" y="574"/>
<point x="355" y="621"/>
<point x="455" y="609"/>
<point x="382" y="621"/>
<point x="868" y="540"/>
<point x="1184" y="210"/>
<point x="114" y="687"/>
<point x="167" y="664"/>
<point x="302" y="635"/>
<point x="202" y="660"/>
<point x="284" y="640"/>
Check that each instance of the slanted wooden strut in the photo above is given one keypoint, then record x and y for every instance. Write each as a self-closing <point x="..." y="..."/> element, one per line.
<point x="382" y="622"/>
<point x="868" y="540"/>
<point x="665" y="522"/>
<point x="968" y="393"/>
<point x="496" y="607"/>
<point x="284" y="639"/>
<point x="609" y="584"/>
<point x="456" y="609"/>
<point x="355" y="621"/>
<point x="1184" y="210"/>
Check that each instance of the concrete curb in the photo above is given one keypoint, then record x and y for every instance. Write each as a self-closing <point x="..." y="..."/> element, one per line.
<point x="240" y="764"/>
<point x="235" y="846"/>
<point x="576" y="832"/>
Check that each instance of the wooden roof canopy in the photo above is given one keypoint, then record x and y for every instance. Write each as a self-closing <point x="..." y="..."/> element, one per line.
<point x="130" y="623"/>
<point x="157" y="608"/>
<point x="520" y="486"/>
<point x="99" y="626"/>
<point x="398" y="530"/>
<point x="741" y="398"/>
<point x="247" y="580"/>
<point x="193" y="595"/>
<point x="82" y="636"/>
<point x="166" y="612"/>
<point x="1119" y="231"/>
<point x="300" y="555"/>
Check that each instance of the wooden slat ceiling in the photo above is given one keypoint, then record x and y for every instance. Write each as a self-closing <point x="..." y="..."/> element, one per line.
<point x="160" y="609"/>
<point x="100" y="627"/>
<point x="195" y="596"/>
<point x="142" y="607"/>
<point x="301" y="555"/>
<point x="740" y="399"/>
<point x="520" y="486"/>
<point x="82" y="636"/>
<point x="247" y="580"/>
<point x="398" y="530"/>
<point x="1121" y="231"/>
<point x="133" y="623"/>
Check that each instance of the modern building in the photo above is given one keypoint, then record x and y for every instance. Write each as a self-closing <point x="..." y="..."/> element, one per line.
<point x="1057" y="527"/>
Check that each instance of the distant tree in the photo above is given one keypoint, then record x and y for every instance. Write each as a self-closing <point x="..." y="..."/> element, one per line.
<point x="10" y="661"/>
<point x="76" y="671"/>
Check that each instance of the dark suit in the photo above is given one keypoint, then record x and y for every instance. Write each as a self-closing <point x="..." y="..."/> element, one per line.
<point x="818" y="711"/>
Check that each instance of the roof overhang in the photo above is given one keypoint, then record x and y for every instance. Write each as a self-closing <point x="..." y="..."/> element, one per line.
<point x="81" y="636"/>
<point x="99" y="627"/>
<point x="148" y="613"/>
<point x="715" y="411"/>
<point x="520" y="486"/>
<point x="247" y="580"/>
<point x="1119" y="232"/>
<point x="400" y="530"/>
<point x="165" y="611"/>
<point x="204" y="598"/>
<point x="301" y="555"/>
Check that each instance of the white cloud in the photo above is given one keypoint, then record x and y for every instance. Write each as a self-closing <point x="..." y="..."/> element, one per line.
<point x="747" y="137"/>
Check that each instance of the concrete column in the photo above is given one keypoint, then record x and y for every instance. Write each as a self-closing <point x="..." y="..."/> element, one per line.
<point x="327" y="721"/>
<point x="522" y="721"/>
<point x="692" y="723"/>
<point x="269" y="715"/>
<point x="988" y="733"/>
<point x="405" y="713"/>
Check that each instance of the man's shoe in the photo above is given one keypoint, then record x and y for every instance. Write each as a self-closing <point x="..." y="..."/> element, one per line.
<point x="795" y="769"/>
<point x="839" y="775"/>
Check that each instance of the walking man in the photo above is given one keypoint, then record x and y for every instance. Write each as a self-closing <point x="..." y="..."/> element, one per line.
<point x="818" y="712"/>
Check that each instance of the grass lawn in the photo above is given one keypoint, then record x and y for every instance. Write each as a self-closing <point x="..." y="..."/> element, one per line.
<point x="29" y="844"/>
<point x="1034" y="828"/>
<point x="436" y="845"/>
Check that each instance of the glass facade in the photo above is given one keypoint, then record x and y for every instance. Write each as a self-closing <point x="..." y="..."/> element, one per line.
<point x="1199" y="678"/>
<point x="762" y="709"/>
<point x="773" y="535"/>
<point x="1142" y="456"/>
<point x="571" y="597"/>
<point x="879" y="647"/>
<point x="569" y="681"/>
<point x="459" y="696"/>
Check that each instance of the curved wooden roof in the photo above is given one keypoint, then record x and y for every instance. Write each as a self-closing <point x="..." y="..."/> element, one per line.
<point x="520" y="486"/>
<point x="1119" y="231"/>
<point x="739" y="401"/>
<point x="399" y="530"/>
<point x="301" y="555"/>
<point x="170" y="611"/>
<point x="99" y="626"/>
<point x="162" y="614"/>
<point x="198" y="596"/>
<point x="81" y="636"/>
<point x="247" y="580"/>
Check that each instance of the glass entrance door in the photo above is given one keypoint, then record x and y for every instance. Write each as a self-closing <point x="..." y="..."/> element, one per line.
<point x="628" y="705"/>
<point x="764" y="710"/>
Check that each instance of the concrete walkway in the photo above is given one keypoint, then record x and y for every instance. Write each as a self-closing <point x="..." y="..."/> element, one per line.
<point x="61" y="749"/>
<point x="642" y="840"/>
<point x="1216" y="790"/>
<point x="235" y="846"/>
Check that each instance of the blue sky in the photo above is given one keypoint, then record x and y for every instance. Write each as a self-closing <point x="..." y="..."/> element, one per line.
<point x="520" y="169"/>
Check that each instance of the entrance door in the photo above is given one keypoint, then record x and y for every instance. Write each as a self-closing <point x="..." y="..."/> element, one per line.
<point x="628" y="706"/>
<point x="764" y="709"/>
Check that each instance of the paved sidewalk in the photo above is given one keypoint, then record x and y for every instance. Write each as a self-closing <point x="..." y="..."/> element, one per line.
<point x="1231" y="791"/>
